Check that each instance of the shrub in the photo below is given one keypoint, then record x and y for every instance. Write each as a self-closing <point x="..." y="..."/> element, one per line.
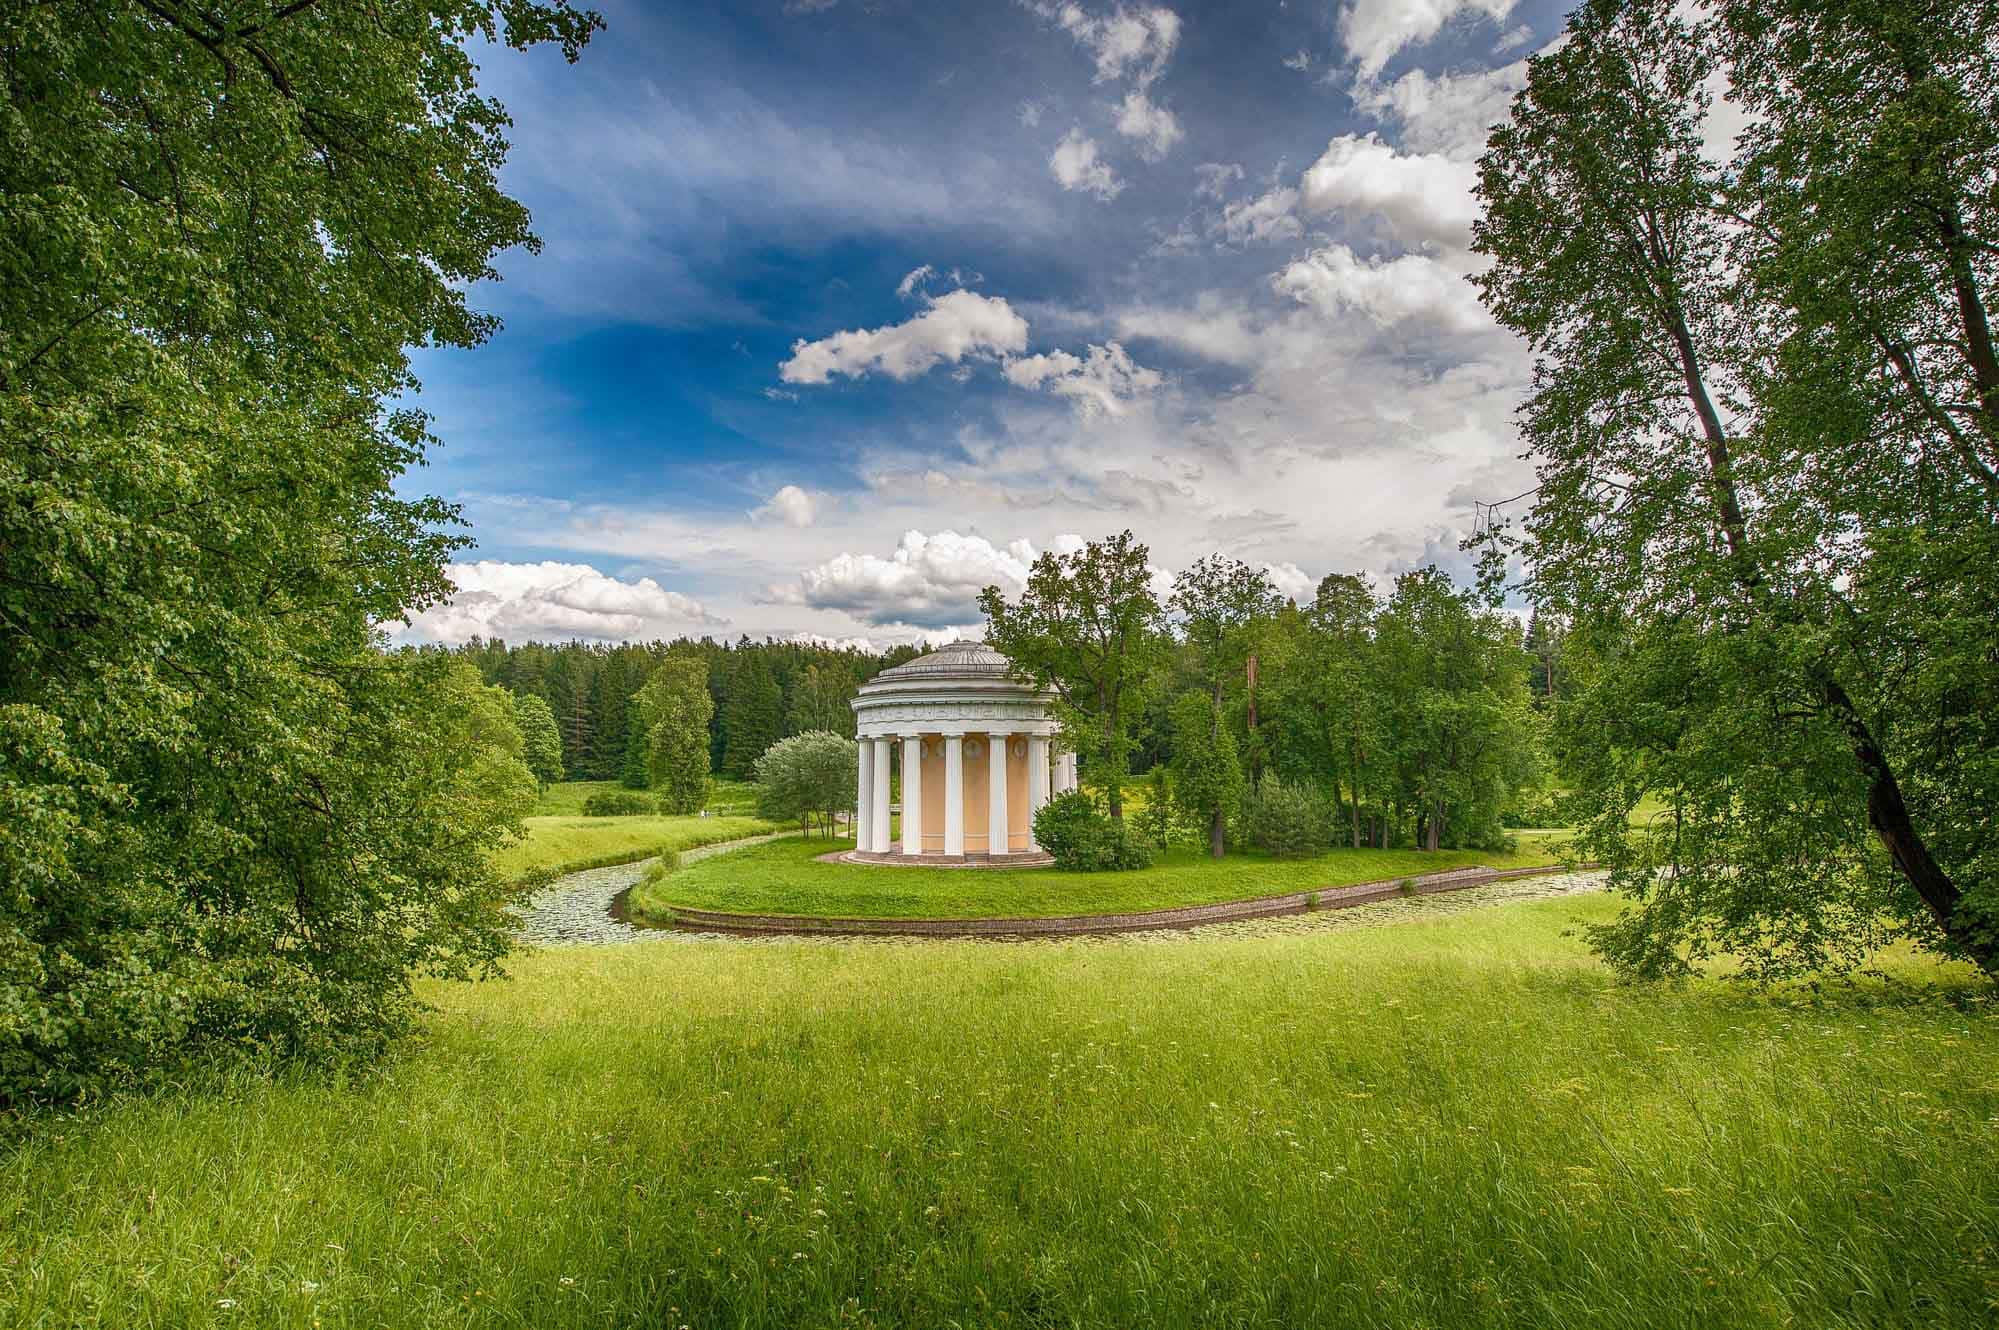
<point x="1155" y="820"/>
<point x="807" y="777"/>
<point x="1084" y="839"/>
<point x="1291" y="820"/>
<point x="618" y="803"/>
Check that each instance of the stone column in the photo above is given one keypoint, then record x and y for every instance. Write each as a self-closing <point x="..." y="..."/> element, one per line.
<point x="996" y="838"/>
<point x="878" y="806"/>
<point x="912" y="794"/>
<point x="863" y="817"/>
<point x="1068" y="771"/>
<point x="1037" y="782"/>
<point x="954" y="794"/>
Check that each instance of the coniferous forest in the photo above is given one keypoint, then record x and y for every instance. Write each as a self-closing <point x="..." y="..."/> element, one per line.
<point x="763" y="692"/>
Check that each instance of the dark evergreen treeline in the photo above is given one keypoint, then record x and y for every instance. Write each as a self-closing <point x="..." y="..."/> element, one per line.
<point x="763" y="692"/>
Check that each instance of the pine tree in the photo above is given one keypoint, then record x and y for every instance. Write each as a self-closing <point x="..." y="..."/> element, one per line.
<point x="753" y="717"/>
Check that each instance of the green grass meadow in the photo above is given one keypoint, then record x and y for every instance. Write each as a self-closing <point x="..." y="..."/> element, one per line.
<point x="565" y="798"/>
<point x="1440" y="1121"/>
<point x="561" y="840"/>
<point x="784" y="877"/>
<point x="571" y="844"/>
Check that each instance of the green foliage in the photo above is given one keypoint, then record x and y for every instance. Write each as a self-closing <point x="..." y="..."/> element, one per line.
<point x="674" y="709"/>
<point x="1288" y="819"/>
<point x="1207" y="772"/>
<point x="1089" y="627"/>
<point x="621" y="803"/>
<point x="807" y="776"/>
<point x="1084" y="839"/>
<point x="543" y="742"/>
<point x="753" y="715"/>
<point x="227" y="822"/>
<point x="1155" y="819"/>
<point x="589" y="686"/>
<point x="1768" y="513"/>
<point x="1543" y="810"/>
<point x="636" y="773"/>
<point x="820" y="699"/>
<point x="1457" y="716"/>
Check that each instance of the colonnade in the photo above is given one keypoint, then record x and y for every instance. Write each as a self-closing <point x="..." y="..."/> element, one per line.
<point x="1047" y="773"/>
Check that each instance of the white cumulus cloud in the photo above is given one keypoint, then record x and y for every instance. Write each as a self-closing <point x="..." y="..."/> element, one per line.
<point x="1292" y="582"/>
<point x="1376" y="31"/>
<point x="1426" y="198"/>
<point x="1100" y="381"/>
<point x="790" y="505"/>
<point x="552" y="601"/>
<point x="951" y="327"/>
<point x="1264" y="218"/>
<point x="1076" y="165"/>
<point x="1411" y="288"/>
<point x="1152" y="126"/>
<point x="1445" y="113"/>
<point x="1129" y="42"/>
<point x="929" y="581"/>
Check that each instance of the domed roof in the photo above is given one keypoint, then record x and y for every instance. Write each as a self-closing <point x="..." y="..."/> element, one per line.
<point x="957" y="660"/>
<point x="962" y="688"/>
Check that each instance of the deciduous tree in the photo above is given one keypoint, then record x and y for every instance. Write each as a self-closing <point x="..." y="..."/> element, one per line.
<point x="1763" y="423"/>
<point x="227" y="820"/>
<point x="1222" y="604"/>
<point x="807" y="776"/>
<point x="542" y="742"/>
<point x="674" y="709"/>
<point x="1088" y="625"/>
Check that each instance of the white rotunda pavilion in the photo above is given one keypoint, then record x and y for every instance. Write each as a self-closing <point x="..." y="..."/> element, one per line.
<point x="977" y="753"/>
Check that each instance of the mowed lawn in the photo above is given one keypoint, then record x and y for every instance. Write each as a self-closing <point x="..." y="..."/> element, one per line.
<point x="1460" y="1122"/>
<point x="785" y="877"/>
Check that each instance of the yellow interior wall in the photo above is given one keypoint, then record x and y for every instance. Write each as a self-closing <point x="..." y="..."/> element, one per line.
<point x="933" y="794"/>
<point x="977" y="806"/>
<point x="1016" y="796"/>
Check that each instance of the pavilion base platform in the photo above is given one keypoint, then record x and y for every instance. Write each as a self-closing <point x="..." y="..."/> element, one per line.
<point x="1018" y="859"/>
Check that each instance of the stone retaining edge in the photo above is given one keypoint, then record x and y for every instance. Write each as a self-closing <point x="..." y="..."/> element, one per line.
<point x="1078" y="925"/>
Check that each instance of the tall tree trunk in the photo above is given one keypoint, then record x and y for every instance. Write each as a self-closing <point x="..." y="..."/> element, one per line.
<point x="1888" y="814"/>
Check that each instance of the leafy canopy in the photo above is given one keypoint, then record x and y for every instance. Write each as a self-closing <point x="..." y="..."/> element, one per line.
<point x="672" y="711"/>
<point x="1088" y="625"/>
<point x="1765" y="424"/>
<point x="808" y="776"/>
<point x="227" y="820"/>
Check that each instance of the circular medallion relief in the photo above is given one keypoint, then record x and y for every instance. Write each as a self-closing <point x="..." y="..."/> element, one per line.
<point x="975" y="747"/>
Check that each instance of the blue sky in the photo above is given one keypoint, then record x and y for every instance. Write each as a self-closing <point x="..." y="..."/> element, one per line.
<point x="848" y="308"/>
